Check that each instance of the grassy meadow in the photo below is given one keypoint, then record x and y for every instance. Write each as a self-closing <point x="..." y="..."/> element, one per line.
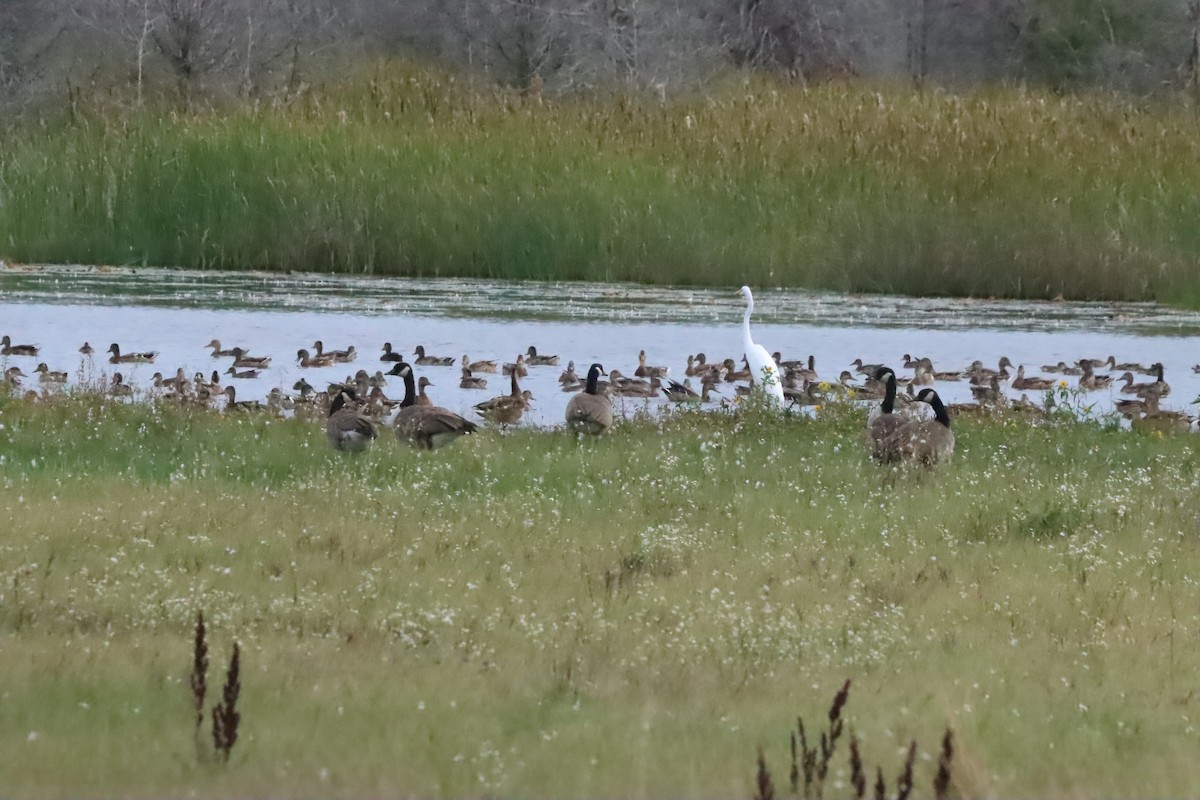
<point x="994" y="192"/>
<point x="527" y="615"/>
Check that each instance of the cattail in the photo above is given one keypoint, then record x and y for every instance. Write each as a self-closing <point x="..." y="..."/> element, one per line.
<point x="198" y="682"/>
<point x="941" y="782"/>
<point x="904" y="782"/>
<point x="857" y="779"/>
<point x="225" y="715"/>
<point x="766" y="789"/>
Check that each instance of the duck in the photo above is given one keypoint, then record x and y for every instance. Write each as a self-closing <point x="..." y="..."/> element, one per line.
<point x="308" y="362"/>
<point x="799" y="370"/>
<point x="340" y="356"/>
<point x="518" y="367"/>
<point x="633" y="387"/>
<point x="1062" y="368"/>
<point x="568" y="375"/>
<point x="1033" y="383"/>
<point x="534" y="360"/>
<point x="217" y="352"/>
<point x="482" y="365"/>
<point x="389" y="354"/>
<point x="946" y="375"/>
<point x="12" y="376"/>
<point x="242" y="359"/>
<point x="423" y="399"/>
<point x="303" y="387"/>
<point x="7" y="348"/>
<point x="989" y="393"/>
<point x="243" y="374"/>
<point x="1089" y="381"/>
<point x="233" y="404"/>
<point x="118" y="387"/>
<point x="922" y="375"/>
<point x="926" y="442"/>
<point x="507" y="409"/>
<point x="425" y="427"/>
<point x="1154" y="420"/>
<point x="179" y="383"/>
<point x="702" y="368"/>
<point x="1158" y="387"/>
<point x="87" y="350"/>
<point x="979" y="374"/>
<point x="865" y="369"/>
<point x="469" y="381"/>
<point x="646" y="371"/>
<point x="423" y="360"/>
<point x="678" y="392"/>
<point x="733" y="374"/>
<point x="346" y="428"/>
<point x="883" y="422"/>
<point x="129" y="358"/>
<point x="590" y="412"/>
<point x="278" y="402"/>
<point x="46" y="375"/>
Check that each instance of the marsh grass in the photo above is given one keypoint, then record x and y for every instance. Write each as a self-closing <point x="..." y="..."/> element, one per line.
<point x="444" y="624"/>
<point x="847" y="187"/>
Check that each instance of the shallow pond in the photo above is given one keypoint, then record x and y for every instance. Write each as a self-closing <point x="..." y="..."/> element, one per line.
<point x="177" y="312"/>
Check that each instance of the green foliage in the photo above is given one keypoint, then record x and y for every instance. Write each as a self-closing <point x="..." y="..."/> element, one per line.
<point x="850" y="188"/>
<point x="627" y="616"/>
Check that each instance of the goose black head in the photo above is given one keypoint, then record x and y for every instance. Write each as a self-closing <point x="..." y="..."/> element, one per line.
<point x="344" y="396"/>
<point x="400" y="368"/>
<point x="594" y="373"/>
<point x="882" y="373"/>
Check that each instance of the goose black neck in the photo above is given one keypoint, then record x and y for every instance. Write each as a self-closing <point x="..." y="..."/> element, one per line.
<point x="939" y="410"/>
<point x="593" y="377"/>
<point x="889" y="394"/>
<point x="410" y="389"/>
<point x="516" y="389"/>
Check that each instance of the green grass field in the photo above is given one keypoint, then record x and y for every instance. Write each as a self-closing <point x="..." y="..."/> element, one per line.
<point x="846" y="187"/>
<point x="530" y="616"/>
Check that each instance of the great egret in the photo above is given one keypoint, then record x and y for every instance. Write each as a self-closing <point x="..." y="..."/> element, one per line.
<point x="763" y="371"/>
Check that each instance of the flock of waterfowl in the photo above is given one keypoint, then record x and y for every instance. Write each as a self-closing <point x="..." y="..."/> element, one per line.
<point x="356" y="407"/>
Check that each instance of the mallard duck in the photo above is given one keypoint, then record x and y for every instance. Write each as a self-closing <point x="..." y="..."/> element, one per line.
<point x="1152" y="419"/>
<point x="589" y="411"/>
<point x="479" y="366"/>
<point x="303" y="387"/>
<point x="340" y="356"/>
<point x="129" y="358"/>
<point x="922" y="375"/>
<point x="346" y="428"/>
<point x="431" y="361"/>
<point x="979" y="374"/>
<point x="568" y="375"/>
<point x="307" y="361"/>
<point x="243" y="360"/>
<point x="1158" y="387"/>
<point x="118" y="387"/>
<point x="507" y="409"/>
<point x="925" y="442"/>
<point x="883" y="422"/>
<point x="233" y="404"/>
<point x="646" y="371"/>
<point x="678" y="392"/>
<point x="865" y="369"/>
<point x="87" y="350"/>
<point x="469" y="381"/>
<point x="989" y="394"/>
<point x="800" y="371"/>
<point x="1062" y="368"/>
<point x="179" y="383"/>
<point x="534" y="360"/>
<point x="46" y="375"/>
<point x="518" y="367"/>
<point x="389" y="354"/>
<point x="7" y="348"/>
<point x="425" y="427"/>
<point x="423" y="399"/>
<point x="217" y="352"/>
<point x="12" y="376"/>
<point x="945" y="375"/>
<point x="1089" y="381"/>
<point x="733" y="374"/>
<point x="1033" y="383"/>
<point x="243" y="374"/>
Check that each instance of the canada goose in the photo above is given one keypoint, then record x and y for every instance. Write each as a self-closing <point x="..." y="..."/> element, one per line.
<point x="883" y="421"/>
<point x="1089" y="381"/>
<point x="307" y="361"/>
<point x="233" y="404"/>
<point x="568" y="375"/>
<point x="590" y="412"/>
<point x="346" y="428"/>
<point x="242" y="359"/>
<point x="534" y="360"/>
<point x="389" y="354"/>
<point x="7" y="348"/>
<point x="129" y="358"/>
<point x="1033" y="383"/>
<point x="119" y="388"/>
<point x="646" y="371"/>
<point x="518" y="367"/>
<point x="764" y="374"/>
<point x="482" y="365"/>
<point x="340" y="356"/>
<point x="244" y="374"/>
<point x="46" y="375"/>
<point x="926" y="442"/>
<point x="1158" y="387"/>
<point x="431" y="361"/>
<point x="469" y="381"/>
<point x="425" y="427"/>
<point x="87" y="350"/>
<point x="506" y="409"/>
<point x="217" y="352"/>
<point x="423" y="399"/>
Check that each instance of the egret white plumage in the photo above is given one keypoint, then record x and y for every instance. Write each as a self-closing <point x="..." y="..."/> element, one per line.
<point x="764" y="373"/>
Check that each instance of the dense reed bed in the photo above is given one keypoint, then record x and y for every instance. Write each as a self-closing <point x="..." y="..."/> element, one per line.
<point x="846" y="187"/>
<point x="526" y="615"/>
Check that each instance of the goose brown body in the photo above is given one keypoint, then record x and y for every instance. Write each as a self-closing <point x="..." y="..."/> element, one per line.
<point x="589" y="411"/>
<point x="425" y="427"/>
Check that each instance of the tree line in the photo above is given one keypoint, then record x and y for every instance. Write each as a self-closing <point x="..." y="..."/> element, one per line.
<point x="257" y="48"/>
